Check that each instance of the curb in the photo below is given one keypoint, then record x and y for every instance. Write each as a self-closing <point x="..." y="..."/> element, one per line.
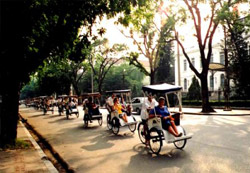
<point x="214" y="114"/>
<point x="44" y="158"/>
<point x="64" y="164"/>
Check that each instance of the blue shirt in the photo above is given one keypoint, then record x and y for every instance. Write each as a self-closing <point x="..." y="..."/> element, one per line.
<point x="160" y="111"/>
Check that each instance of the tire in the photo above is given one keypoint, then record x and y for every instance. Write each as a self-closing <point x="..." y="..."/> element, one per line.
<point x="115" y="126"/>
<point x="109" y="123"/>
<point x="181" y="144"/>
<point x="141" y="134"/>
<point x="44" y="111"/>
<point x="132" y="127"/>
<point x="100" y="121"/>
<point x="138" y="111"/>
<point x="86" y="123"/>
<point x="155" y="140"/>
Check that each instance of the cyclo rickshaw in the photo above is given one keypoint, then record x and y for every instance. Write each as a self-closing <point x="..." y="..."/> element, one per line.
<point x="114" y="122"/>
<point x="155" y="132"/>
<point x="95" y="115"/>
<point x="71" y="106"/>
<point x="47" y="104"/>
<point x="61" y="103"/>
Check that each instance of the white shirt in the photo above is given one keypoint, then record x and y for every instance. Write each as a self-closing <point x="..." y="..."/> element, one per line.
<point x="110" y="101"/>
<point x="146" y="105"/>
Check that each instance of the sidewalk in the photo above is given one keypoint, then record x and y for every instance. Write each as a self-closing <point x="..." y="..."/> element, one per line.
<point x="30" y="159"/>
<point x="219" y="112"/>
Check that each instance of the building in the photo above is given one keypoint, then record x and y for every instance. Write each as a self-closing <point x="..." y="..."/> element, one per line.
<point x="215" y="78"/>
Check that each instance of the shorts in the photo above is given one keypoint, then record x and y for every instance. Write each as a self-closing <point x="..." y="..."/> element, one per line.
<point x="165" y="123"/>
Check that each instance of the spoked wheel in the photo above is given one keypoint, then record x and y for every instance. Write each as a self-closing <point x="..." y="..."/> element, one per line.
<point x="132" y="127"/>
<point x="67" y="115"/>
<point x="115" y="126"/>
<point x="155" y="140"/>
<point x="141" y="133"/>
<point x="85" y="120"/>
<point x="109" y="123"/>
<point x="100" y="121"/>
<point x="44" y="111"/>
<point x="181" y="144"/>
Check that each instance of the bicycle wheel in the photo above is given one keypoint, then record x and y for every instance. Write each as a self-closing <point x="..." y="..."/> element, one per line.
<point x="132" y="127"/>
<point x="181" y="144"/>
<point x="100" y="121"/>
<point x="155" y="140"/>
<point x="109" y="123"/>
<point x="141" y="134"/>
<point x="115" y="126"/>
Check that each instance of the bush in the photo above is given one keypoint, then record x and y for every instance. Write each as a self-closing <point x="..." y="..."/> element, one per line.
<point x="194" y="91"/>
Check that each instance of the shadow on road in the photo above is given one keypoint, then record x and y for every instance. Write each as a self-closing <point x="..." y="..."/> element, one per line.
<point x="173" y="158"/>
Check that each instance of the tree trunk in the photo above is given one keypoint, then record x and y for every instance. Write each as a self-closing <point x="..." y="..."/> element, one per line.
<point x="206" y="107"/>
<point x="75" y="86"/>
<point x="9" y="111"/>
<point x="152" y="78"/>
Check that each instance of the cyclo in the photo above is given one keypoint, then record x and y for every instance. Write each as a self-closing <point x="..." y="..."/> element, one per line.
<point x="61" y="103"/>
<point x="114" y="121"/>
<point x="90" y="99"/>
<point x="47" y="104"/>
<point x="71" y="106"/>
<point x="155" y="132"/>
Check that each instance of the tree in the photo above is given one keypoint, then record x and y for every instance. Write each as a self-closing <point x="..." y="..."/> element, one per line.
<point x="194" y="90"/>
<point x="148" y="35"/>
<point x="165" y="72"/>
<point x="204" y="42"/>
<point x="103" y="58"/>
<point x="124" y="77"/>
<point x="237" y="58"/>
<point x="45" y="28"/>
<point x="30" y="90"/>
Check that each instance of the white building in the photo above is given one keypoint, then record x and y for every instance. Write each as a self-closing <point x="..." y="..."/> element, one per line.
<point x="215" y="80"/>
<point x="186" y="74"/>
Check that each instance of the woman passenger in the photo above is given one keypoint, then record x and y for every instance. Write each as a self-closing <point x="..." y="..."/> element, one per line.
<point x="120" y="110"/>
<point x="167" y="120"/>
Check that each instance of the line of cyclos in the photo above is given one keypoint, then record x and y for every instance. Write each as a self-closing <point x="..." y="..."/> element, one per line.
<point x="119" y="113"/>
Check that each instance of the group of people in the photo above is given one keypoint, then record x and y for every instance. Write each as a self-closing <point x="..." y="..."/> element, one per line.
<point x="151" y="108"/>
<point x="119" y="105"/>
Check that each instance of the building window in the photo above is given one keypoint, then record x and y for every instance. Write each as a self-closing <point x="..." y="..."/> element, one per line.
<point x="185" y="84"/>
<point x="222" y="80"/>
<point x="212" y="58"/>
<point x="193" y="61"/>
<point x="222" y="58"/>
<point x="185" y="65"/>
<point x="212" y="82"/>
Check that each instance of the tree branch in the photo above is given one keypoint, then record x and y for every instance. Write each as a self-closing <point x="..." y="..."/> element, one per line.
<point x="187" y="57"/>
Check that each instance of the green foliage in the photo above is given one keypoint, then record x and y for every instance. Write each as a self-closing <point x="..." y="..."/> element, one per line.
<point x="118" y="77"/>
<point x="239" y="59"/>
<point x="19" y="144"/>
<point x="153" y="35"/>
<point x="124" y="77"/>
<point x="30" y="90"/>
<point x="165" y="72"/>
<point x="194" y="91"/>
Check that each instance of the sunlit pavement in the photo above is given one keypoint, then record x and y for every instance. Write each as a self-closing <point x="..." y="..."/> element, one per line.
<point x="219" y="144"/>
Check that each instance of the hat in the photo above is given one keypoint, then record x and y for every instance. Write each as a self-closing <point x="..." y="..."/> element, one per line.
<point x="161" y="98"/>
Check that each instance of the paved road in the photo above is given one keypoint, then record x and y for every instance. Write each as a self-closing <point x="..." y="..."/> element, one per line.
<point x="219" y="144"/>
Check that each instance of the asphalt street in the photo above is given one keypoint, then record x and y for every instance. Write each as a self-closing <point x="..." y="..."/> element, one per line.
<point x="219" y="144"/>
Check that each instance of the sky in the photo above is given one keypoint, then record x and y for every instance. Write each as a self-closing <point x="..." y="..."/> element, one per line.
<point x="186" y="31"/>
